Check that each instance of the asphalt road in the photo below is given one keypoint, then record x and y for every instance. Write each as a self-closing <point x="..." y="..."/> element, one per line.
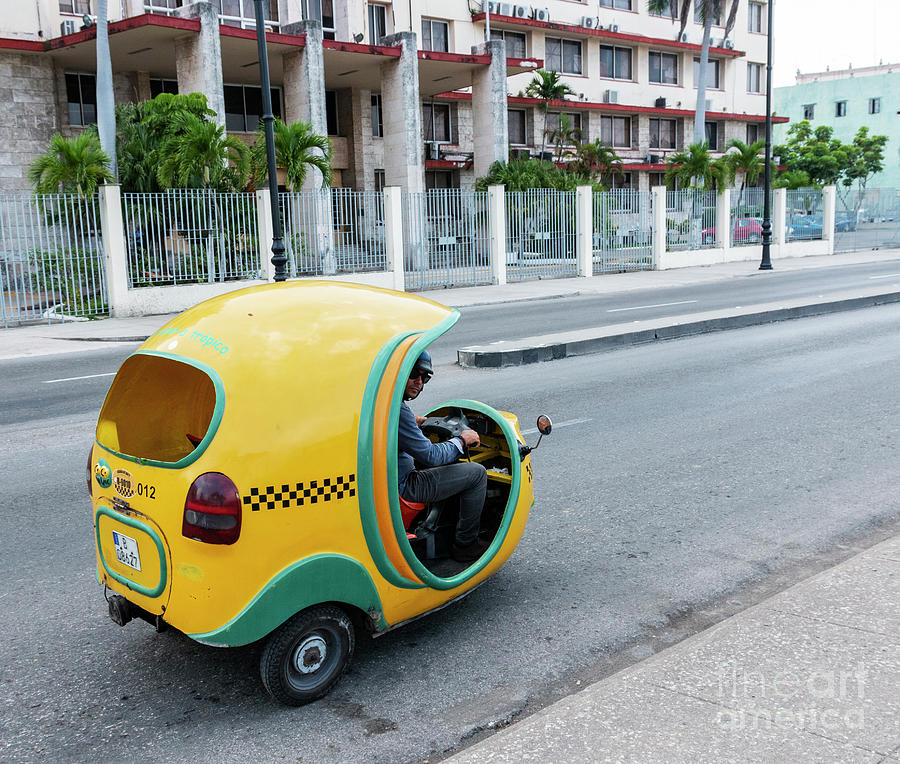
<point x="683" y="481"/>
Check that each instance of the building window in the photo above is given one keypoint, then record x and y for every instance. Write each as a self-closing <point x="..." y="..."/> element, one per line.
<point x="553" y="121"/>
<point x="515" y="42"/>
<point x="698" y="15"/>
<point x="79" y="7"/>
<point x="377" y="120"/>
<point x="81" y="93"/>
<point x="320" y="10"/>
<point x="158" y="86"/>
<point x="377" y="23"/>
<point x="435" y="35"/>
<point x="713" y="80"/>
<point x="164" y="7"/>
<point x="755" y="133"/>
<point x="754" y="78"/>
<point x="712" y="135"/>
<point x="243" y="107"/>
<point x="624" y="5"/>
<point x="439" y="179"/>
<point x="662" y="133"/>
<point x="622" y="180"/>
<point x="331" y="112"/>
<point x="840" y="109"/>
<point x="242" y="13"/>
<point x="563" y="55"/>
<point x="436" y="126"/>
<point x="615" y="62"/>
<point x="616" y="131"/>
<point x="515" y="119"/>
<point x="809" y="111"/>
<point x="379" y="180"/>
<point x="755" y="18"/>
<point x="671" y="12"/>
<point x="874" y="106"/>
<point x="664" y="68"/>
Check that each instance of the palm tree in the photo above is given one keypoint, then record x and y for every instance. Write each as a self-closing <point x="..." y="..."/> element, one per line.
<point x="563" y="136"/>
<point x="597" y="160"/>
<point x="297" y="148"/>
<point x="199" y="153"/>
<point x="708" y="10"/>
<point x="746" y="161"/>
<point x="71" y="165"/>
<point x="696" y="169"/>
<point x="548" y="87"/>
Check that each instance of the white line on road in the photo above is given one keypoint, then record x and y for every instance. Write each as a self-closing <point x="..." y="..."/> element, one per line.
<point x="660" y="305"/>
<point x="557" y="425"/>
<point x="86" y="376"/>
<point x="886" y="276"/>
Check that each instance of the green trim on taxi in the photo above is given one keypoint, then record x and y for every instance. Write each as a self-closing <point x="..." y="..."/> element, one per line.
<point x="133" y="522"/>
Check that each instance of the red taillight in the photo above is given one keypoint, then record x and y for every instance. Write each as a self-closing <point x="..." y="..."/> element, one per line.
<point x="90" y="472"/>
<point x="212" y="510"/>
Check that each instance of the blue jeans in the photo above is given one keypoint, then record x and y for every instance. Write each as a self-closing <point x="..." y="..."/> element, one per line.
<point x="467" y="480"/>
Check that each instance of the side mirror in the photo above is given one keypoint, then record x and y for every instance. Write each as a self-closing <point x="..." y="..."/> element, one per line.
<point x="544" y="425"/>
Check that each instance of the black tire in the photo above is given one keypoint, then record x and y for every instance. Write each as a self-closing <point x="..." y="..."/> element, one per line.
<point x="304" y="638"/>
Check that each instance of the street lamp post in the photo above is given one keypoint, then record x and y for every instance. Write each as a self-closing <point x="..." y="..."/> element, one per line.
<point x="766" y="263"/>
<point x="278" y="258"/>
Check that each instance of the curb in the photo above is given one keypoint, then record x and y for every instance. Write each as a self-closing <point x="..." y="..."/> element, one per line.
<point x="534" y="350"/>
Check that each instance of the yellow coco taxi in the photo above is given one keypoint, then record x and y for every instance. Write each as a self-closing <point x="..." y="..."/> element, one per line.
<point x="244" y="478"/>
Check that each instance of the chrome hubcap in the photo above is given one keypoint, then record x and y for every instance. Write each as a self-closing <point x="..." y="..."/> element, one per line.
<point x="310" y="655"/>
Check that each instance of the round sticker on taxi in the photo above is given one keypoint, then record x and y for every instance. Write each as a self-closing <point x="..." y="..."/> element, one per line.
<point x="103" y="473"/>
<point x="123" y="482"/>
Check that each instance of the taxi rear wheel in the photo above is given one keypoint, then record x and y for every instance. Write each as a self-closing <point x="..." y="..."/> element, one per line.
<point x="306" y="656"/>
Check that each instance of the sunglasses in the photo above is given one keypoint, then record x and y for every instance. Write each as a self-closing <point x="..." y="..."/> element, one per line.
<point x="423" y="375"/>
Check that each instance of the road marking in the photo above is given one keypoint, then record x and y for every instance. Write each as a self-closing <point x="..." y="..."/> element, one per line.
<point x="567" y="423"/>
<point x="660" y="305"/>
<point x="86" y="376"/>
<point x="886" y="276"/>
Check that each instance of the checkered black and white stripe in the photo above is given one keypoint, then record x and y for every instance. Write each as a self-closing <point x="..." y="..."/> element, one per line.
<point x="287" y="495"/>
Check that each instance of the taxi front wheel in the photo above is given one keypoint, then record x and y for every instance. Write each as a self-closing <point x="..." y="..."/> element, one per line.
<point x="307" y="655"/>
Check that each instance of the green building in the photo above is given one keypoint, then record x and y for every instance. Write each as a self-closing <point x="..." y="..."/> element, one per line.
<point x="846" y="100"/>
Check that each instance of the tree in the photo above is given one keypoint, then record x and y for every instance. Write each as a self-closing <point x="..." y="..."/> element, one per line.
<point x="792" y="179"/>
<point x="816" y="152"/>
<point x="199" y="153"/>
<point x="746" y="162"/>
<point x="297" y="148"/>
<point x="867" y="159"/>
<point x="709" y="10"/>
<point x="563" y="136"/>
<point x="548" y="87"/>
<point x="598" y="161"/>
<point x="695" y="168"/>
<point x="524" y="174"/>
<point x="70" y="165"/>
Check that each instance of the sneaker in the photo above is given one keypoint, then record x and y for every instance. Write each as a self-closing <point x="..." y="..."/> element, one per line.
<point x="469" y="552"/>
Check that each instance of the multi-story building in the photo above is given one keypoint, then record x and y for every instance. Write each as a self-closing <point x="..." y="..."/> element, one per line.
<point x="411" y="93"/>
<point x="845" y="100"/>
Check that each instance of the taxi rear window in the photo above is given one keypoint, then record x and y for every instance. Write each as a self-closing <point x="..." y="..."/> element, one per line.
<point x="157" y="408"/>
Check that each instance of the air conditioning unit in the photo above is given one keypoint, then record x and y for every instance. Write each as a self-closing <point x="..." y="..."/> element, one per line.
<point x="653" y="159"/>
<point x="500" y="9"/>
<point x="590" y="22"/>
<point x="613" y="27"/>
<point x="610" y="96"/>
<point x="660" y="103"/>
<point x="521" y="154"/>
<point x="540" y="14"/>
<point x="728" y="44"/>
<point x="432" y="150"/>
<point x="520" y="11"/>
<point x="67" y="27"/>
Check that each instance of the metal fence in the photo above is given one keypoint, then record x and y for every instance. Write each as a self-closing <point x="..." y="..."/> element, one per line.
<point x="747" y="206"/>
<point x="446" y="234"/>
<point x="866" y="220"/>
<point x="540" y="234"/>
<point x="803" y="214"/>
<point x="333" y="230"/>
<point x="52" y="264"/>
<point x="691" y="219"/>
<point x="186" y="236"/>
<point x="622" y="231"/>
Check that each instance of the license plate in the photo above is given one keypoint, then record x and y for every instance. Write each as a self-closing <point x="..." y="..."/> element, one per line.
<point x="126" y="550"/>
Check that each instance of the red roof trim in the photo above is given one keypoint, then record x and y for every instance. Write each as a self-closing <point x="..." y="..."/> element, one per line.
<point x="355" y="47"/>
<point x="456" y="58"/>
<point x="123" y="25"/>
<point x="605" y="33"/>
<point x="14" y="44"/>
<point x="443" y="164"/>
<point x="297" y="40"/>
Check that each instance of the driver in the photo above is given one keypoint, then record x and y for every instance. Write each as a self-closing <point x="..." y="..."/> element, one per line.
<point x="444" y="476"/>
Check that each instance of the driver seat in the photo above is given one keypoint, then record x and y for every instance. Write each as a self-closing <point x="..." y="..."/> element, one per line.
<point x="409" y="510"/>
<point x="426" y="529"/>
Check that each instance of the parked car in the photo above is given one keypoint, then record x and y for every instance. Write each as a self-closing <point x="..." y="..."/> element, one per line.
<point x="806" y="227"/>
<point x="844" y="221"/>
<point x="746" y="230"/>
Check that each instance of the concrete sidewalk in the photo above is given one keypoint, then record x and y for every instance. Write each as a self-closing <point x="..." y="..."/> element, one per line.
<point x="79" y="336"/>
<point x="810" y="675"/>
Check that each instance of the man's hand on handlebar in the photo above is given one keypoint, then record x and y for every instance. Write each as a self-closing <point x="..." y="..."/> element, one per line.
<point x="470" y="438"/>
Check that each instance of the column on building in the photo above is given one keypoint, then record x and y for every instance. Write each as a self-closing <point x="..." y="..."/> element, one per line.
<point x="404" y="164"/>
<point x="198" y="58"/>
<point x="489" y="115"/>
<point x="364" y="149"/>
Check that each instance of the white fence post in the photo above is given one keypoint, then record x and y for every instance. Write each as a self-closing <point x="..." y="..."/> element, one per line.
<point x="584" y="230"/>
<point x="497" y="205"/>
<point x="266" y="231"/>
<point x="393" y="234"/>
<point x="723" y="221"/>
<point x="113" y="228"/>
<point x="828" y="213"/>
<point x="779" y="220"/>
<point x="658" y="226"/>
